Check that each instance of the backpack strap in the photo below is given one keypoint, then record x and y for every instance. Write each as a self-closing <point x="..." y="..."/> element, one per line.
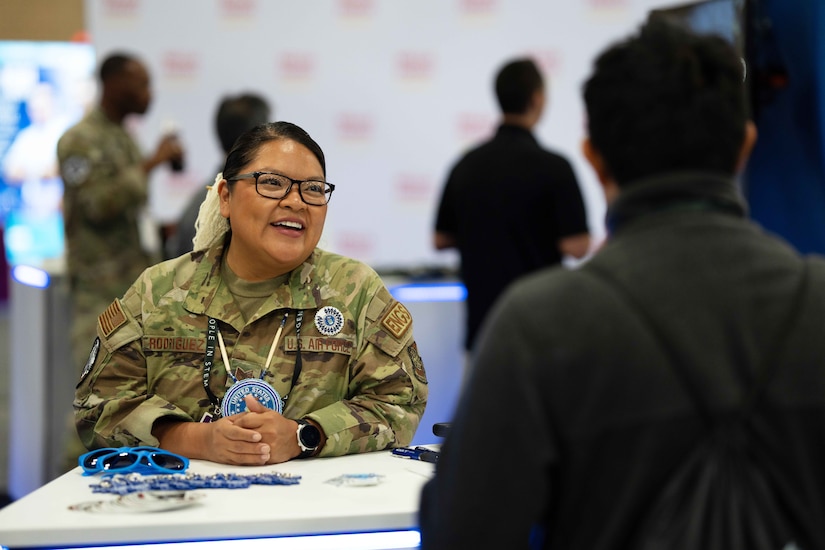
<point x="771" y="360"/>
<point x="678" y="363"/>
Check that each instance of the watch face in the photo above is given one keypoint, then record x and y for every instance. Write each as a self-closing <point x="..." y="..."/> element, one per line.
<point x="310" y="436"/>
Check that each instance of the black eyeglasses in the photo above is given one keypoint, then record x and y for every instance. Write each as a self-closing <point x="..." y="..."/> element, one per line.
<point x="278" y="186"/>
<point x="142" y="460"/>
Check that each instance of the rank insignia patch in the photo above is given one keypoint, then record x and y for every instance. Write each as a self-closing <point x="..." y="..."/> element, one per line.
<point x="112" y="318"/>
<point x="241" y="374"/>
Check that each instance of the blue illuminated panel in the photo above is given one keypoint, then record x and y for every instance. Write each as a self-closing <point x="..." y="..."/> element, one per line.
<point x="389" y="540"/>
<point x="429" y="292"/>
<point x="30" y="276"/>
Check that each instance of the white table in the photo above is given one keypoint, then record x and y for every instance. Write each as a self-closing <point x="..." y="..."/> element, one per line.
<point x="312" y="507"/>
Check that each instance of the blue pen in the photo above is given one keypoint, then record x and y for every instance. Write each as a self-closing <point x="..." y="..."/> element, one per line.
<point x="407" y="452"/>
<point x="417" y="453"/>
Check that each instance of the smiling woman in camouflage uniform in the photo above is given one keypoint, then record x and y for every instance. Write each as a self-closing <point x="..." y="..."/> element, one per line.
<point x="344" y="365"/>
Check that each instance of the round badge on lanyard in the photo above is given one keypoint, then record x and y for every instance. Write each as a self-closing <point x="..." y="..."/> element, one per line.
<point x="233" y="401"/>
<point x="329" y="321"/>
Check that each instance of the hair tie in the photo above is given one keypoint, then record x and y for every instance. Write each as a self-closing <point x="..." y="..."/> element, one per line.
<point x="210" y="225"/>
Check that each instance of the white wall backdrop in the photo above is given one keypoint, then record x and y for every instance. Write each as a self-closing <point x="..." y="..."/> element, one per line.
<point x="393" y="91"/>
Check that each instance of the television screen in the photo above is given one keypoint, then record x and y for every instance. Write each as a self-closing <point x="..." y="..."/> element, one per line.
<point x="45" y="87"/>
<point x="725" y="18"/>
<point x="722" y="17"/>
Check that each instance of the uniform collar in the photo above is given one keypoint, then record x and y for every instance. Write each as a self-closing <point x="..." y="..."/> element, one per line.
<point x="99" y="117"/>
<point x="207" y="296"/>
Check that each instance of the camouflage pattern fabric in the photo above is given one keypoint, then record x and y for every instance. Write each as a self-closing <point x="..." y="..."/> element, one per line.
<point x="365" y="386"/>
<point x="105" y="191"/>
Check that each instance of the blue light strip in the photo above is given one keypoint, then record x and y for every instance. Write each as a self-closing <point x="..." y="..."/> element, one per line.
<point x="389" y="540"/>
<point x="30" y="276"/>
<point x="429" y="292"/>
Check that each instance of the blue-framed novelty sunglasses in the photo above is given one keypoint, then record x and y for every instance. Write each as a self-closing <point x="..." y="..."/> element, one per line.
<point x="140" y="460"/>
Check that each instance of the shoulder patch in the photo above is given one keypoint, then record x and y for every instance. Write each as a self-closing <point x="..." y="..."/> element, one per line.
<point x="417" y="363"/>
<point x="397" y="320"/>
<point x="75" y="170"/>
<point x="87" y="368"/>
<point x="111" y="319"/>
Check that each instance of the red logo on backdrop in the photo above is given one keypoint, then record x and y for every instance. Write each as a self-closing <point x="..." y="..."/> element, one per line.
<point x="355" y="126"/>
<point x="238" y="8"/>
<point x="180" y="64"/>
<point x="120" y="8"/>
<point x="413" y="187"/>
<point x="355" y="8"/>
<point x="355" y="244"/>
<point x="296" y="65"/>
<point x="478" y="7"/>
<point x="549" y="61"/>
<point x="415" y="65"/>
<point x="472" y="127"/>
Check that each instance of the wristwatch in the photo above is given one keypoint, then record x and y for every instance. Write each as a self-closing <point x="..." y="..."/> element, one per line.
<point x="309" y="437"/>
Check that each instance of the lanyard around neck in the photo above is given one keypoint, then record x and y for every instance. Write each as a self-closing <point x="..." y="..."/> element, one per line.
<point x="213" y="334"/>
<point x="296" y="372"/>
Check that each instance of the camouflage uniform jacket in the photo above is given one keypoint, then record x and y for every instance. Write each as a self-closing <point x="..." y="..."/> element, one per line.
<point x="365" y="385"/>
<point x="105" y="190"/>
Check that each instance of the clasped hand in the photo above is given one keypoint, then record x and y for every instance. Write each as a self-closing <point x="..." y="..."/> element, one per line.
<point x="255" y="437"/>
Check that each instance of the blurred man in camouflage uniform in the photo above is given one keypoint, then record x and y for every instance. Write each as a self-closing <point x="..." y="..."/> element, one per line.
<point x="106" y="187"/>
<point x="318" y="329"/>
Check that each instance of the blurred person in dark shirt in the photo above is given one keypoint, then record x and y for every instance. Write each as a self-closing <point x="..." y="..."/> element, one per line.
<point x="510" y="199"/>
<point x="575" y="415"/>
